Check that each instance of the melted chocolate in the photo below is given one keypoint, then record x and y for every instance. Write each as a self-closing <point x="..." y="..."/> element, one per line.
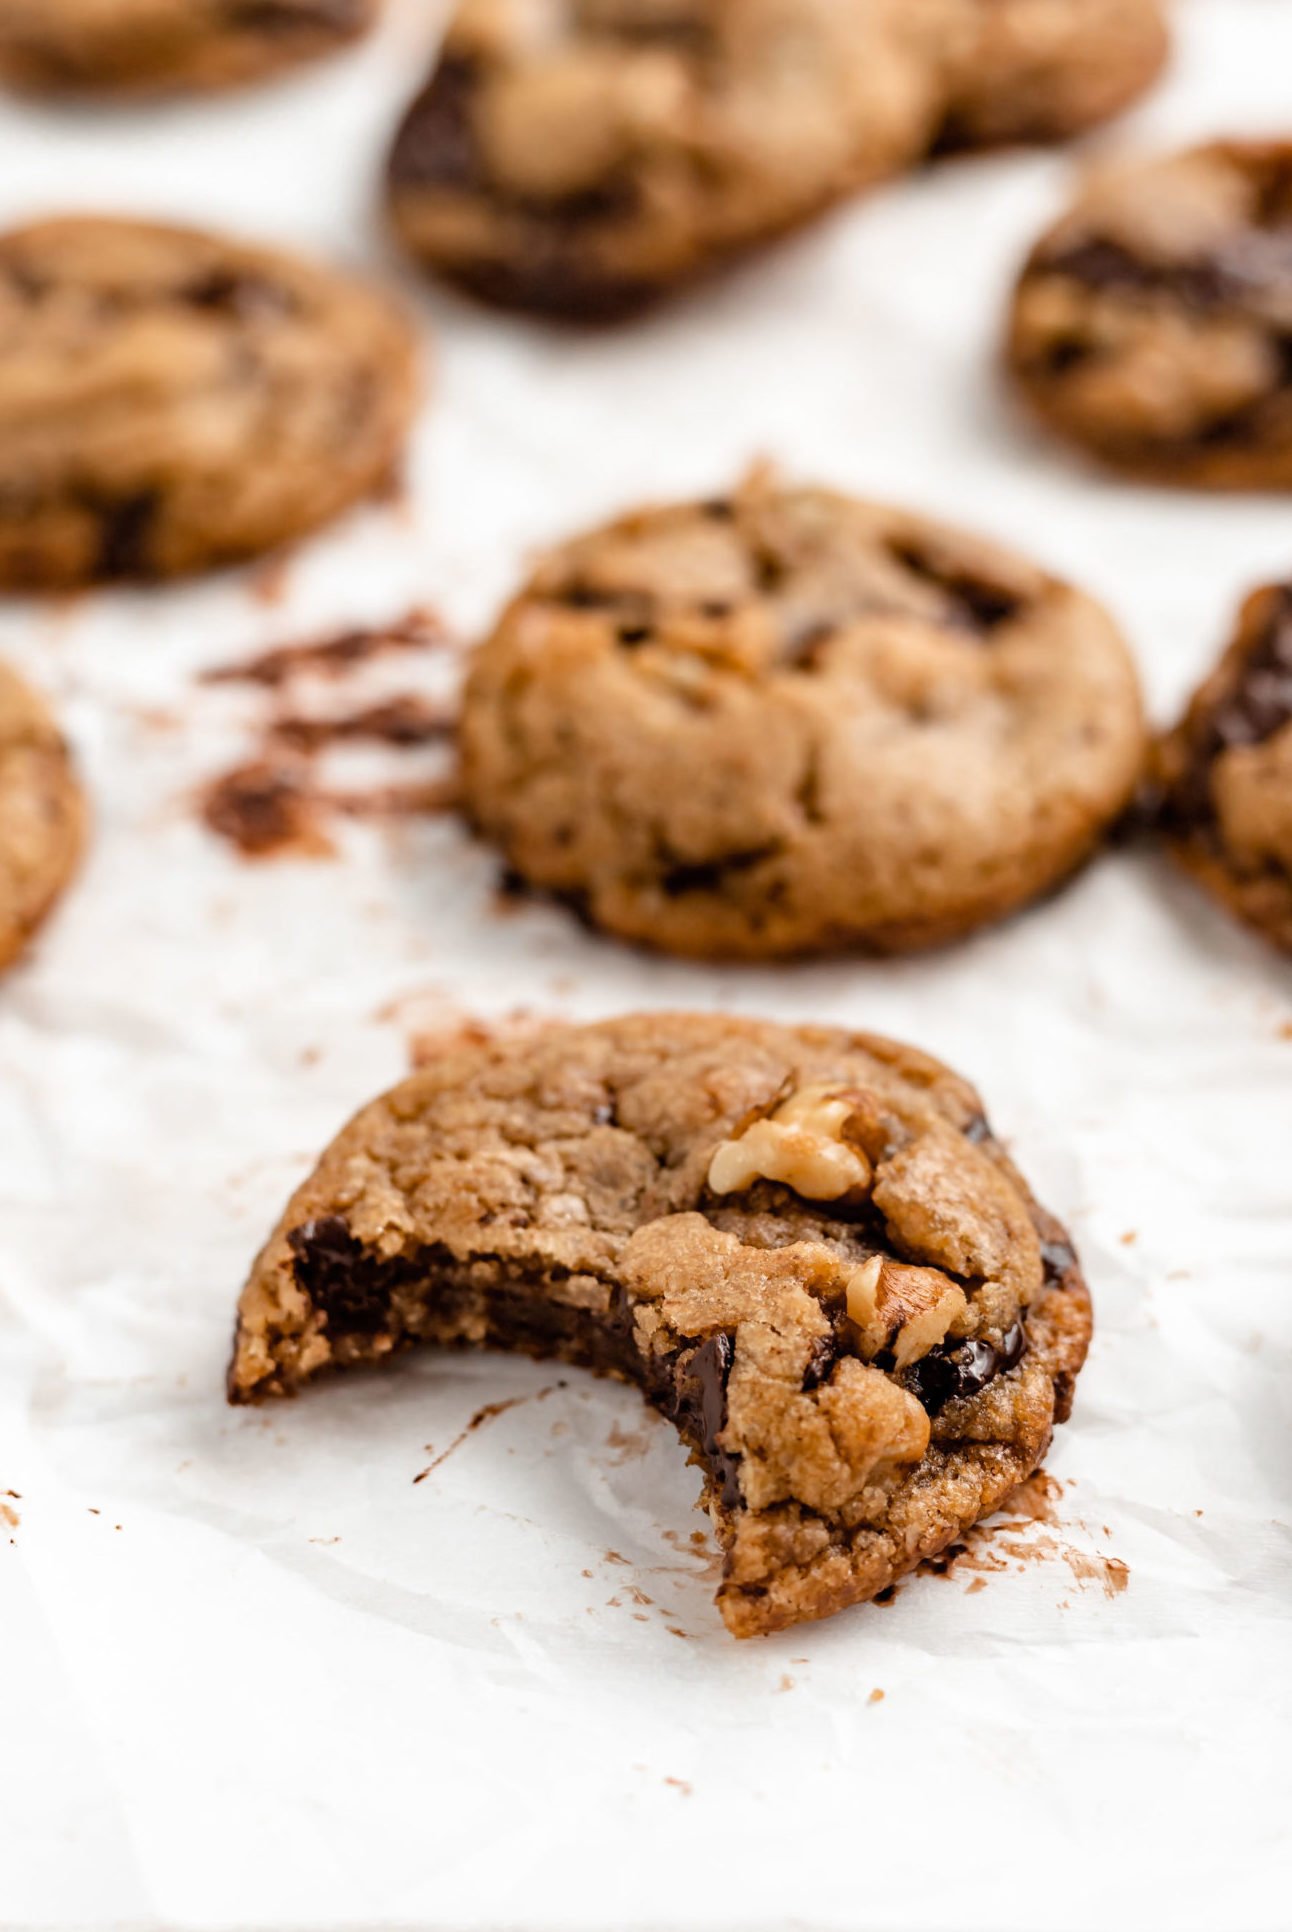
<point x="698" y="1405"/>
<point x="958" y="1369"/>
<point x="1257" y="704"/>
<point x="974" y="603"/>
<point x="124" y="530"/>
<point x="1254" y="262"/>
<point x="348" y="1284"/>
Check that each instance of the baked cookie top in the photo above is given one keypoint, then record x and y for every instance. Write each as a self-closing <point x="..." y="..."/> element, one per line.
<point x="160" y="46"/>
<point x="171" y="400"/>
<point x="42" y="814"/>
<point x="581" y="157"/>
<point x="1043" y="70"/>
<point x="1153" y="323"/>
<point x="786" y="721"/>
<point x="1227" y="771"/>
<point x="804" y="1245"/>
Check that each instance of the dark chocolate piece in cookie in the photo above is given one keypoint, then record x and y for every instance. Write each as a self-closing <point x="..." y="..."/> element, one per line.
<point x="1153" y="324"/>
<point x="789" y="722"/>
<point x="1226" y="772"/>
<point x="583" y="157"/>
<point x="171" y="401"/>
<point x="42" y="814"/>
<point x="797" y="1242"/>
<point x="138" y="47"/>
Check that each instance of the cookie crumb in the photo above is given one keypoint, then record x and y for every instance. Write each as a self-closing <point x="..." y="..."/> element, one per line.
<point x="876" y="1697"/>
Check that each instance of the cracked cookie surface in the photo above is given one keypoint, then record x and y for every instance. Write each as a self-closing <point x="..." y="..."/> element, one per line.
<point x="1044" y="70"/>
<point x="789" y="722"/>
<point x="134" y="47"/>
<point x="804" y="1245"/>
<point x="42" y="814"/>
<point x="171" y="401"/>
<point x="1152" y="325"/>
<point x="1227" y="771"/>
<point x="584" y="157"/>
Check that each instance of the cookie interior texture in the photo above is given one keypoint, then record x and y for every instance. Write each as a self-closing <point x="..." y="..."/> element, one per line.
<point x="787" y="722"/>
<point x="1227" y="771"/>
<point x="581" y="158"/>
<point x="171" y="401"/>
<point x="1153" y="324"/>
<point x="805" y="1246"/>
<point x="134" y="47"/>
<point x="42" y="814"/>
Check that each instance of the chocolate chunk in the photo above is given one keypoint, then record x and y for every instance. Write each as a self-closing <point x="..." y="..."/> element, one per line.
<point x="974" y="603"/>
<point x="125" y="527"/>
<point x="977" y="1130"/>
<point x="1057" y="1257"/>
<point x="245" y="296"/>
<point x="709" y="875"/>
<point x="1257" y="705"/>
<point x="824" y="1354"/>
<point x="955" y="1370"/>
<point x="1253" y="263"/>
<point x="698" y="1405"/>
<point x="347" y="1283"/>
<point x="295" y="16"/>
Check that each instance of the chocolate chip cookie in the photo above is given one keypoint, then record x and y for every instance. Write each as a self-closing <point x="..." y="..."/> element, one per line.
<point x="1153" y="324"/>
<point x="805" y="1246"/>
<point x="135" y="47"/>
<point x="42" y="814"/>
<point x="1227" y="771"/>
<point x="581" y="157"/>
<point x="786" y="722"/>
<point x="171" y="401"/>
<point x="1044" y="70"/>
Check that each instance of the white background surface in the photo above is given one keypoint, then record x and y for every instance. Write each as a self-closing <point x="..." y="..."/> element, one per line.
<point x="272" y="1683"/>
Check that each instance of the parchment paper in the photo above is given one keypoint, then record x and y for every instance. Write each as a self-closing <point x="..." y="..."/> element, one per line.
<point x="253" y="1674"/>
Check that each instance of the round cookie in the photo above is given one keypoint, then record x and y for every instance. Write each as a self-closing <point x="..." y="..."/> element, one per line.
<point x="1153" y="324"/>
<point x="1227" y="771"/>
<point x="581" y="158"/>
<point x="42" y="814"/>
<point x="171" y="401"/>
<point x="787" y="722"/>
<point x="133" y="47"/>
<point x="805" y="1246"/>
<point x="1044" y="70"/>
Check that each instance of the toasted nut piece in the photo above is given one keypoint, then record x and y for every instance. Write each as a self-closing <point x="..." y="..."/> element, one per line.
<point x="802" y="1145"/>
<point x="907" y="1310"/>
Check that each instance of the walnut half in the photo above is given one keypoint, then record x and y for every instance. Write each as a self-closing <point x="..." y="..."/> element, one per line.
<point x="804" y="1145"/>
<point x="907" y="1310"/>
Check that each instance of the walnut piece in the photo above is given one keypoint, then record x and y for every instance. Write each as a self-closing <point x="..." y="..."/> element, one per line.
<point x="804" y="1145"/>
<point x="907" y="1310"/>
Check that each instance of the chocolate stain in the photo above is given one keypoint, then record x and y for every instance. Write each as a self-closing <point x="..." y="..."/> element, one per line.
<point x="489" y="1413"/>
<point x="991" y="1548"/>
<point x="421" y="629"/>
<point x="408" y="719"/>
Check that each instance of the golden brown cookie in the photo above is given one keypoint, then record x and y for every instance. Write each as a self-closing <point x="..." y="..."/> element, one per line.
<point x="132" y="47"/>
<point x="804" y="1246"/>
<point x="42" y="814"/>
<point x="1044" y="70"/>
<point x="583" y="157"/>
<point x="1152" y="325"/>
<point x="171" y="401"/>
<point x="1227" y="771"/>
<point x="788" y="722"/>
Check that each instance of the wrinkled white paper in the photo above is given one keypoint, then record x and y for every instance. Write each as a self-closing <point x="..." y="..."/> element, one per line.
<point x="253" y="1674"/>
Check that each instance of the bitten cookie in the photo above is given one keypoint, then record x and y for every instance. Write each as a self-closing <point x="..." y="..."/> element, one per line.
<point x="1153" y="324"/>
<point x="42" y="814"/>
<point x="133" y="47"/>
<point x="1227" y="771"/>
<point x="1044" y="70"/>
<point x="787" y="722"/>
<point x="804" y="1246"/>
<point x="583" y="157"/>
<point x="170" y="400"/>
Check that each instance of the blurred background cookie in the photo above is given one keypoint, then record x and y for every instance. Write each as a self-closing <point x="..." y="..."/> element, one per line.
<point x="1153" y="324"/>
<point x="42" y="814"/>
<point x="134" y="47"/>
<point x="1227" y="771"/>
<point x="171" y="400"/>
<point x="582" y="158"/>
<point x="788" y="722"/>
<point x="1043" y="70"/>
